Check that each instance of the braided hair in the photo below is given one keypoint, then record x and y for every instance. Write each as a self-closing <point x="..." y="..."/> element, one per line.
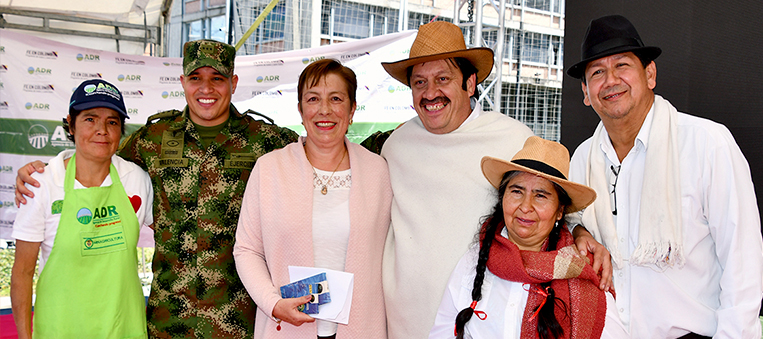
<point x="548" y="325"/>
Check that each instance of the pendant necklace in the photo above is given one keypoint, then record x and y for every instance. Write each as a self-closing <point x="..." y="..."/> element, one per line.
<point x="324" y="189"/>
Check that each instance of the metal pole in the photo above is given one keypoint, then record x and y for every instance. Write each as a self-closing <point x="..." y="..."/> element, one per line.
<point x="498" y="87"/>
<point x="478" y="23"/>
<point x="256" y="23"/>
<point x="230" y="21"/>
<point x="402" y="22"/>
<point x="457" y="12"/>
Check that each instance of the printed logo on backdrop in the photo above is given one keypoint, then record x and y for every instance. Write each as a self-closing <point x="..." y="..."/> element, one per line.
<point x="39" y="71"/>
<point x="269" y="94"/>
<point x="169" y="80"/>
<point x="125" y="61"/>
<point x="393" y="89"/>
<point x="129" y="77"/>
<point x="173" y="94"/>
<point x="37" y="88"/>
<point x="312" y="59"/>
<point x="89" y="57"/>
<point x="348" y="57"/>
<point x="7" y="204"/>
<point x="135" y="94"/>
<point x="86" y="75"/>
<point x="397" y="108"/>
<point x="406" y="52"/>
<point x="2" y="49"/>
<point x="38" y="136"/>
<point x="268" y="63"/>
<point x="6" y="169"/>
<point x="132" y="111"/>
<point x="59" y="139"/>
<point x="7" y="188"/>
<point x="174" y="64"/>
<point x="3" y="68"/>
<point x="3" y="105"/>
<point x="267" y="78"/>
<point x="41" y="54"/>
<point x="37" y="106"/>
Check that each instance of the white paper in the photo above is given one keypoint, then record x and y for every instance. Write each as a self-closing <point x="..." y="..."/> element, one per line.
<point x="340" y="288"/>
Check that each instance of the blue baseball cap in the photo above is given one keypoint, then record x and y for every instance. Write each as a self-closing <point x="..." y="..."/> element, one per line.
<point x="97" y="93"/>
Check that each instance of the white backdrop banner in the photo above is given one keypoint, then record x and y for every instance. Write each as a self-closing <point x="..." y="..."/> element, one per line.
<point x="37" y="77"/>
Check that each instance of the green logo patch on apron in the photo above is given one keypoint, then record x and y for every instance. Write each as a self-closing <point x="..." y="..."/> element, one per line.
<point x="84" y="215"/>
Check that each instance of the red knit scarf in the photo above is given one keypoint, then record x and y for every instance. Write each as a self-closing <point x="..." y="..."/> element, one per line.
<point x="572" y="278"/>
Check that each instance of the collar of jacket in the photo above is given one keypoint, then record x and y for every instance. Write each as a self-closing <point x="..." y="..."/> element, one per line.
<point x="235" y="122"/>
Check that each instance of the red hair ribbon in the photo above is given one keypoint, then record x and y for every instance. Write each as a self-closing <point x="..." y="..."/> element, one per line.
<point x="480" y="314"/>
<point x="542" y="292"/>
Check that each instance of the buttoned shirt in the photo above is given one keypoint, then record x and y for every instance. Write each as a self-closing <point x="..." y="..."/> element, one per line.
<point x="718" y="290"/>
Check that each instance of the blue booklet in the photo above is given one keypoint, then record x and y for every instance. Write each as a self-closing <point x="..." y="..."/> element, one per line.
<point x="317" y="286"/>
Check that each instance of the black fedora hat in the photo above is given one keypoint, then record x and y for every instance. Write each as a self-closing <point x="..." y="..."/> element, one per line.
<point x="609" y="35"/>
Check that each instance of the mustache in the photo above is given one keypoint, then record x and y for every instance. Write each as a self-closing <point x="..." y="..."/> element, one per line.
<point x="614" y="89"/>
<point x="440" y="99"/>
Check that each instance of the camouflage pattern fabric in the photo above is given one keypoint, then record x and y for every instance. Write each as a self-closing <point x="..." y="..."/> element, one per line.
<point x="196" y="292"/>
<point x="215" y="54"/>
<point x="375" y="142"/>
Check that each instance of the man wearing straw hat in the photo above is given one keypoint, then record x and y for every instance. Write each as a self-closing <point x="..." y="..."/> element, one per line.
<point x="439" y="193"/>
<point x="199" y="160"/>
<point x="676" y="206"/>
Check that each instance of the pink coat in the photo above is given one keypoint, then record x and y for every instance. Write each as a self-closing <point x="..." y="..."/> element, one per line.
<point x="275" y="231"/>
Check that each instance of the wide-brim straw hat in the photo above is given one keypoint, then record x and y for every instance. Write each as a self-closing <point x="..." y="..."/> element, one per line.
<point x="441" y="40"/>
<point x="608" y="35"/>
<point x="544" y="158"/>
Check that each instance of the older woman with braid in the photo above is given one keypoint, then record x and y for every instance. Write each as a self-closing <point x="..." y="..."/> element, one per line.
<point x="524" y="279"/>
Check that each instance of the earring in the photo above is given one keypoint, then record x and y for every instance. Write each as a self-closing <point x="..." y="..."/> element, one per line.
<point x="350" y="121"/>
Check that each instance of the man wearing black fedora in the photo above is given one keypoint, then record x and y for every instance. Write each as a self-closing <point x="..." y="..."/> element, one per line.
<point x="676" y="206"/>
<point x="439" y="194"/>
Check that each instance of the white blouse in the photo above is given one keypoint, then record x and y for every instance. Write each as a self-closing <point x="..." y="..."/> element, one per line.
<point x="503" y="301"/>
<point x="331" y="226"/>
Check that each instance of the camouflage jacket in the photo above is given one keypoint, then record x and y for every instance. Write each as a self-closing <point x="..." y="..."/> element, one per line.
<point x="196" y="292"/>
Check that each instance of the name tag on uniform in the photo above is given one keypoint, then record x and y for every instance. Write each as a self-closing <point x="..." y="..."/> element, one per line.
<point x="240" y="160"/>
<point x="172" y="162"/>
<point x="104" y="240"/>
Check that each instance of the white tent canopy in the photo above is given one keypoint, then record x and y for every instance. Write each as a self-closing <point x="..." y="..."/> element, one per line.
<point x="123" y="26"/>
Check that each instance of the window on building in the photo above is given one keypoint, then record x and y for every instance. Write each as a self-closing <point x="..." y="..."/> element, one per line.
<point x="342" y="19"/>
<point x="542" y="5"/>
<point x="207" y="28"/>
<point x="417" y="19"/>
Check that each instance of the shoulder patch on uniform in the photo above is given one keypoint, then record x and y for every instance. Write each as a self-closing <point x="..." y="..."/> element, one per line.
<point x="162" y="115"/>
<point x="268" y="119"/>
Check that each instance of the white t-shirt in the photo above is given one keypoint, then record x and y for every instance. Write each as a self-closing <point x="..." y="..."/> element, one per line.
<point x="34" y="220"/>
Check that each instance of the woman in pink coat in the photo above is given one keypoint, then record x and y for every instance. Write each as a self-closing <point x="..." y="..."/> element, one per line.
<point x="320" y="202"/>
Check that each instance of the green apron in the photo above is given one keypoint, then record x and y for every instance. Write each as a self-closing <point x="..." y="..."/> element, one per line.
<point x="89" y="287"/>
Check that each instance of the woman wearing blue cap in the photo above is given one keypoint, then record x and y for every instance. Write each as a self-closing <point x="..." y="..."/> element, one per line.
<point x="85" y="218"/>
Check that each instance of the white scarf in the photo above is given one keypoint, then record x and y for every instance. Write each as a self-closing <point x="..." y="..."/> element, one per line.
<point x="660" y="240"/>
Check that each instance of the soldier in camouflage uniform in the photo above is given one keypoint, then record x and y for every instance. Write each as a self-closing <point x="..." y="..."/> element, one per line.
<point x="199" y="161"/>
<point x="199" y="183"/>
